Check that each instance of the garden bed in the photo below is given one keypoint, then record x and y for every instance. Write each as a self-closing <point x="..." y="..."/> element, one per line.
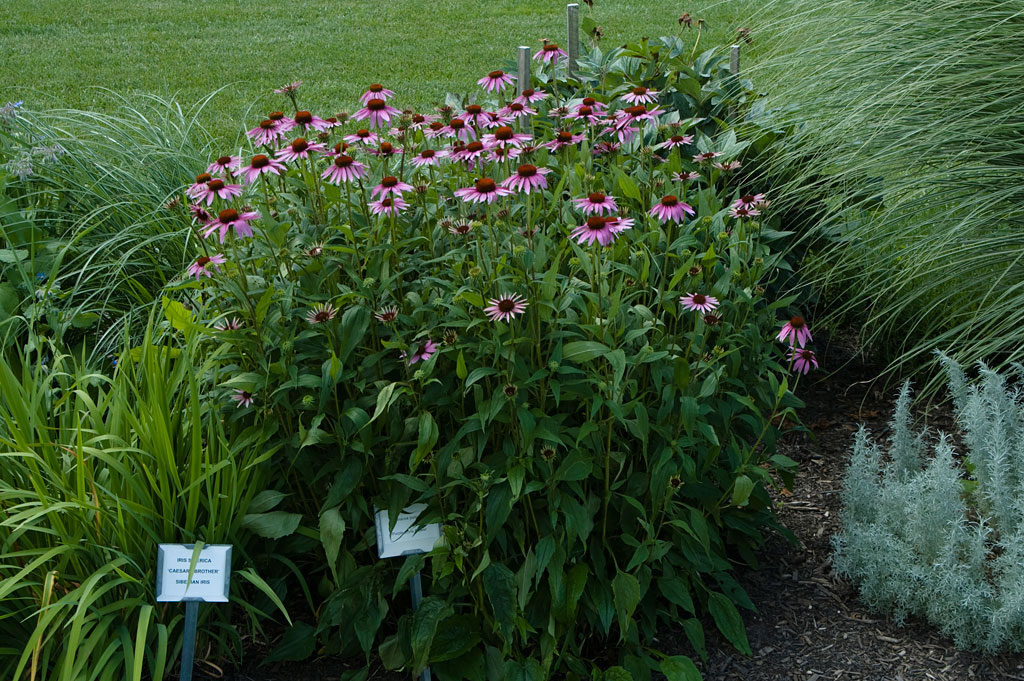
<point x="810" y="625"/>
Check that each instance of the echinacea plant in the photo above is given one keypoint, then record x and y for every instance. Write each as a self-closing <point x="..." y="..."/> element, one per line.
<point x="547" y="321"/>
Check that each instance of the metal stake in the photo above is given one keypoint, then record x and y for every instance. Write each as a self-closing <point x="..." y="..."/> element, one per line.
<point x="188" y="646"/>
<point x="572" y="13"/>
<point x="734" y="60"/>
<point x="416" y="587"/>
<point x="524" y="70"/>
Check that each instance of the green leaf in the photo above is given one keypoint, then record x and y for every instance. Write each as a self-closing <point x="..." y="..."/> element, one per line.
<point x="455" y="637"/>
<point x="583" y="351"/>
<point x="617" y="674"/>
<point x="679" y="668"/>
<point x="266" y="501"/>
<point x="628" y="186"/>
<point x="332" y="531"/>
<point x="177" y="314"/>
<point x="577" y="466"/>
<point x="728" y="621"/>
<point x="627" y="594"/>
<point x="741" y="490"/>
<point x="479" y="373"/>
<point x="272" y="525"/>
<point x="298" y="643"/>
<point x="427" y="438"/>
<point x="385" y="398"/>
<point x="265" y="300"/>
<point x="424" y="625"/>
<point x="471" y="297"/>
<point x="354" y="323"/>
<point x="250" y="576"/>
<point x="500" y="587"/>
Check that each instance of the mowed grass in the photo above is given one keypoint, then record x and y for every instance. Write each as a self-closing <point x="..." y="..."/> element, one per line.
<point x="69" y="53"/>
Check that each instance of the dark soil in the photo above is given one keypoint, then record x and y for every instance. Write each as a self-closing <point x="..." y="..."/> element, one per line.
<point x="809" y="625"/>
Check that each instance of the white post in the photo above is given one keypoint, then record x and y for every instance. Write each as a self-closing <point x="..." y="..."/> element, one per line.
<point x="734" y="60"/>
<point x="572" y="12"/>
<point x="524" y="70"/>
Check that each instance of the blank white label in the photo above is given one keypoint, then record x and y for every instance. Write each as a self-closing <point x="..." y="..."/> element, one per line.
<point x="405" y="539"/>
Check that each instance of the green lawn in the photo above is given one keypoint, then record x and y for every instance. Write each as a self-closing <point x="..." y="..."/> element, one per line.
<point x="63" y="53"/>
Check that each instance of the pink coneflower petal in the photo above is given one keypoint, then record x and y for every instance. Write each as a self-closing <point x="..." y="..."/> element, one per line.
<point x="205" y="266"/>
<point x="596" y="203"/>
<point x="421" y="353"/>
<point x="685" y="176"/>
<point x="549" y="54"/>
<point x="504" y="135"/>
<point x="260" y="164"/>
<point x="505" y="307"/>
<point x="344" y="169"/>
<point x="225" y="165"/>
<point x="377" y="111"/>
<point x="199" y="186"/>
<point x="743" y="212"/>
<point x="225" y="324"/>
<point x="390" y="186"/>
<point x="676" y="141"/>
<point x="563" y="138"/>
<point x="300" y="148"/>
<point x="530" y="96"/>
<point x="428" y="157"/>
<point x="306" y="120"/>
<point x="587" y="114"/>
<point x="517" y="110"/>
<point x="496" y="81"/>
<point x="484" y="190"/>
<point x="420" y="121"/>
<point x="216" y="188"/>
<point x="468" y="152"/>
<point x="671" y="208"/>
<point x="640" y="95"/>
<point x="391" y="205"/>
<point x="795" y="332"/>
<point x="803" y="359"/>
<point x="320" y="313"/>
<point x="289" y="88"/>
<point x="749" y="200"/>
<point x="459" y="129"/>
<point x="231" y="219"/>
<point x="243" y="397"/>
<point x="387" y="314"/>
<point x="266" y="132"/>
<point x="363" y="136"/>
<point x="698" y="302"/>
<point x="727" y="165"/>
<point x="281" y="122"/>
<point x="200" y="214"/>
<point x="603" y="230"/>
<point x="635" y="114"/>
<point x="706" y="156"/>
<point x="376" y="91"/>
<point x="527" y="178"/>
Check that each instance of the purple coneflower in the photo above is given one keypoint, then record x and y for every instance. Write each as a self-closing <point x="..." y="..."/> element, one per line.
<point x="199" y="186"/>
<point x="321" y="312"/>
<point x="281" y="122"/>
<point x="600" y="108"/>
<point x="527" y="178"/>
<point x="217" y="188"/>
<point x="469" y="152"/>
<point x="803" y="359"/>
<point x="299" y="148"/>
<point x="563" y="138"/>
<point x="698" y="302"/>
<point x="496" y="81"/>
<point x="205" y="266"/>
<point x="390" y="186"/>
<point x="634" y="114"/>
<point x="504" y="135"/>
<point x="502" y="153"/>
<point x="376" y="91"/>
<point x="200" y="214"/>
<point x="421" y="121"/>
<point x="749" y="200"/>
<point x="225" y="165"/>
<point x="391" y="205"/>
<point x="606" y="148"/>
<point x="706" y="156"/>
<point x="671" y="208"/>
<point x="344" y="169"/>
<point x="675" y="141"/>
<point x="484" y="190"/>
<point x="435" y="129"/>
<point x="421" y="352"/>
<point x="260" y="164"/>
<point x="727" y="165"/>
<point x="685" y="176"/>
<point x="289" y="88"/>
<point x="623" y="134"/>
<point x="596" y="203"/>
<point x="461" y="228"/>
<point x="584" y="113"/>
<point x="603" y="230"/>
<point x="386" y="150"/>
<point x="233" y="324"/>
<point x="475" y="115"/>
<point x="640" y="95"/>
<point x="267" y="132"/>
<point x="378" y="111"/>
<point x="530" y="96"/>
<point x="243" y="397"/>
<point x="550" y="53"/>
<point x="505" y="307"/>
<point x="428" y="157"/>
<point x="306" y="120"/>
<point x="795" y="332"/>
<point x="231" y="218"/>
<point x="517" y="110"/>
<point x="387" y="314"/>
<point x="362" y="136"/>
<point x="458" y="128"/>
<point x="743" y="212"/>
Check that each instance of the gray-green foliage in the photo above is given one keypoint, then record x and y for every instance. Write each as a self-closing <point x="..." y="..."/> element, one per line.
<point x="923" y="537"/>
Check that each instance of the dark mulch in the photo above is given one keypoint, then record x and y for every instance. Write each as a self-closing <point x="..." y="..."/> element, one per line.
<point x="809" y="625"/>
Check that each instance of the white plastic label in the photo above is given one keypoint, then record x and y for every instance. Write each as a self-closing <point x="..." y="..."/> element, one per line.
<point x="405" y="539"/>
<point x="211" y="579"/>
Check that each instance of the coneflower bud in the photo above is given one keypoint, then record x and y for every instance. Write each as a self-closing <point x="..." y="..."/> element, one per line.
<point x="547" y="453"/>
<point x="510" y="390"/>
<point x="503" y="213"/>
<point x="450" y="337"/>
<point x="475" y="271"/>
<point x="342" y="116"/>
<point x="420" y="188"/>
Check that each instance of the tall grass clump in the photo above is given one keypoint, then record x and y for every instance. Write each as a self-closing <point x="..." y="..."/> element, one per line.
<point x="906" y="166"/>
<point x="95" y="471"/>
<point x="90" y="226"/>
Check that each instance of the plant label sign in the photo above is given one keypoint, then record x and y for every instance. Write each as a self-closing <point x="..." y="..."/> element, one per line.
<point x="405" y="539"/>
<point x="211" y="578"/>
